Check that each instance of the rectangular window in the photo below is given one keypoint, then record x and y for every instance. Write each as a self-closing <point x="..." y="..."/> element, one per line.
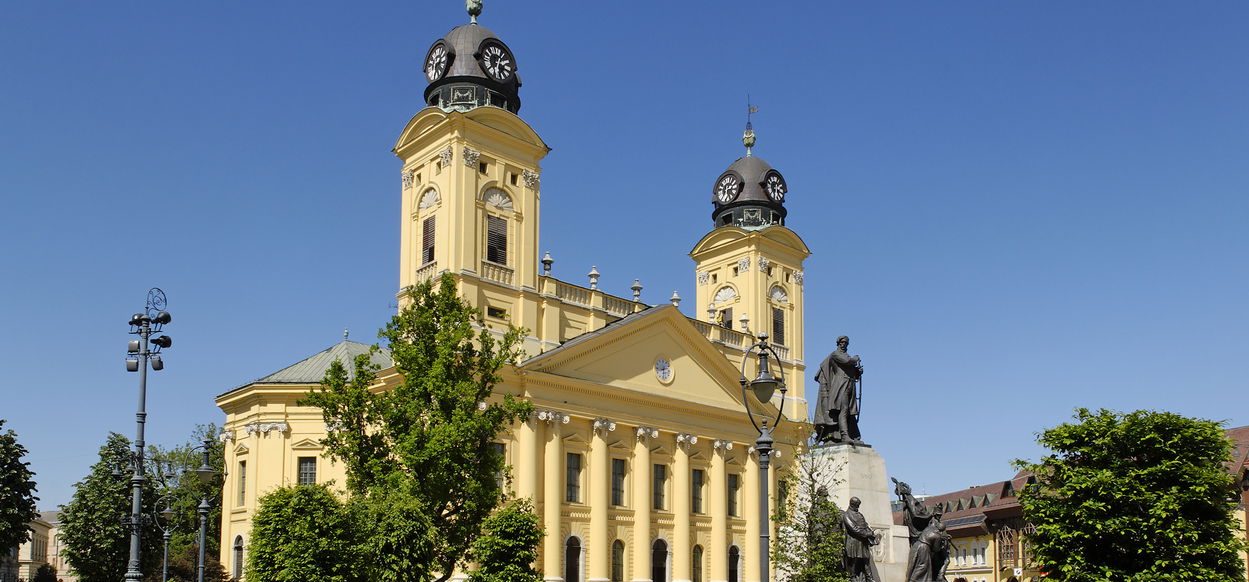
<point x="307" y="470"/>
<point x="660" y="476"/>
<point x="734" y="485"/>
<point x="501" y="451"/>
<point x="617" y="482"/>
<point x="726" y="318"/>
<point x="778" y="326"/>
<point x="572" y="491"/>
<point x="696" y="491"/>
<point x="242" y="481"/>
<point x="496" y="240"/>
<point x="427" y="241"/>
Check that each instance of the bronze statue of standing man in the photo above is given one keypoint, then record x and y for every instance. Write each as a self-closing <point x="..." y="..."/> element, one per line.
<point x="837" y="409"/>
<point x="859" y="541"/>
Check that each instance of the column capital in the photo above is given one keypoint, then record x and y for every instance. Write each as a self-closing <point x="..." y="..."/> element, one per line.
<point x="686" y="440"/>
<point x="646" y="432"/>
<point x="550" y="416"/>
<point x="722" y="445"/>
<point x="602" y="426"/>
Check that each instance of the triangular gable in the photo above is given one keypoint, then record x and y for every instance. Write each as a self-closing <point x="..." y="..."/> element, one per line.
<point x="624" y="355"/>
<point x="307" y="445"/>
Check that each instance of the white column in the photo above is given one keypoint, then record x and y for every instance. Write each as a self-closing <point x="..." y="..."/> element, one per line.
<point x="718" y="549"/>
<point x="642" y="504"/>
<point x="598" y="547"/>
<point x="681" y="492"/>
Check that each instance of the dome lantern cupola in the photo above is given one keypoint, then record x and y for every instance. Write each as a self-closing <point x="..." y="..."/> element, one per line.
<point x="470" y="67"/>
<point x="750" y="194"/>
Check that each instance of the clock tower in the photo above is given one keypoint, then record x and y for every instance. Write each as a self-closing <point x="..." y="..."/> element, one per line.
<point x="471" y="172"/>
<point x="749" y="267"/>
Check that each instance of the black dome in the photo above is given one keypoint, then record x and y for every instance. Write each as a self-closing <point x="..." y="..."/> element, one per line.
<point x="751" y="206"/>
<point x="465" y="84"/>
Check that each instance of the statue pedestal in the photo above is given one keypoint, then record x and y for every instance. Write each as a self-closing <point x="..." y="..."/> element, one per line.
<point x="849" y="471"/>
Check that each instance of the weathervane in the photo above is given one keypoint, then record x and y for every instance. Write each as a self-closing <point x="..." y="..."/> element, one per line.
<point x="748" y="136"/>
<point x="474" y="9"/>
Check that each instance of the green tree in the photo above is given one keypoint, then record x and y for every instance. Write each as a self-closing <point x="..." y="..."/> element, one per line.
<point x="17" y="491"/>
<point x="508" y="546"/>
<point x="173" y="470"/>
<point x="97" y="543"/>
<point x="1137" y="497"/>
<point x="302" y="533"/>
<point x="184" y="563"/>
<point x="425" y="443"/>
<point x="45" y="573"/>
<point x="809" y="540"/>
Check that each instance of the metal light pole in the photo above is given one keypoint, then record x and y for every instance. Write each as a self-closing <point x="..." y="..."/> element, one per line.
<point x="205" y="473"/>
<point x="763" y="387"/>
<point x="166" y="525"/>
<point x="143" y="351"/>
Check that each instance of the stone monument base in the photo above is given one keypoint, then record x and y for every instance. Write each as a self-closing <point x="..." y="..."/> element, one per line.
<point x="859" y="471"/>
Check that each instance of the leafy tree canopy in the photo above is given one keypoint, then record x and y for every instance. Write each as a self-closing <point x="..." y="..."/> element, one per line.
<point x="97" y="543"/>
<point x="172" y="469"/>
<point x="424" y="445"/>
<point x="810" y="542"/>
<point x="17" y="491"/>
<point x="45" y="573"/>
<point x="302" y="533"/>
<point x="508" y="547"/>
<point x="1142" y="496"/>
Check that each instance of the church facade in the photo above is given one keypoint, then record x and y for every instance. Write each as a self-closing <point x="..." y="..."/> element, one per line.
<point x="639" y="456"/>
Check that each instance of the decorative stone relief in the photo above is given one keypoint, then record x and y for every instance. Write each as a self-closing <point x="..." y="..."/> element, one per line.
<point x="429" y="199"/>
<point x="407" y="178"/>
<point x="497" y="198"/>
<point x="687" y="440"/>
<point x="722" y="445"/>
<point x="704" y="277"/>
<point x="551" y="416"/>
<point x="471" y="156"/>
<point x="798" y="277"/>
<point x="265" y="427"/>
<point x="333" y="426"/>
<point x="603" y="426"/>
<point x="764" y="264"/>
<point x="226" y="436"/>
<point x="725" y="293"/>
<point x="646" y="432"/>
<point x="531" y="179"/>
<point x="743" y="264"/>
<point x="445" y="156"/>
<point x="778" y="295"/>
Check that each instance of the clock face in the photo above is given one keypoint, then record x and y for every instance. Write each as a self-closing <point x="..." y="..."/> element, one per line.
<point x="663" y="369"/>
<point x="727" y="187"/>
<point x="774" y="185"/>
<point x="437" y="61"/>
<point x="497" y="61"/>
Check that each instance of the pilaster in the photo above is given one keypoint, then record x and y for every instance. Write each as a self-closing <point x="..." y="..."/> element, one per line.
<point x="599" y="545"/>
<point x="642" y="503"/>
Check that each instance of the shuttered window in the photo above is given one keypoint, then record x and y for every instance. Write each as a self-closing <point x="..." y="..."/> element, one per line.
<point x="427" y="241"/>
<point x="496" y="240"/>
<point x="778" y="326"/>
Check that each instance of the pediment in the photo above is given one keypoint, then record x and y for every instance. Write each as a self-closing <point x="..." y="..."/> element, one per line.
<point x="241" y="449"/>
<point x="307" y="445"/>
<point x="623" y="356"/>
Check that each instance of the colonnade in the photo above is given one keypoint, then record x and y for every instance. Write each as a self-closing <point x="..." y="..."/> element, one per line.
<point x="539" y="458"/>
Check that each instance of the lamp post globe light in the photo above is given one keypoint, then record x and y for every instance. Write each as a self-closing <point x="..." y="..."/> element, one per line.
<point x="164" y="522"/>
<point x="141" y="353"/>
<point x="205" y="473"/>
<point x="764" y="386"/>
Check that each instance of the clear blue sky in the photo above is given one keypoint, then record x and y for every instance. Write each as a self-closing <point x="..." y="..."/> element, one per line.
<point x="1015" y="208"/>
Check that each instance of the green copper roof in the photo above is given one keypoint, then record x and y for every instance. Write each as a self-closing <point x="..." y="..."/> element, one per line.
<point x="312" y="369"/>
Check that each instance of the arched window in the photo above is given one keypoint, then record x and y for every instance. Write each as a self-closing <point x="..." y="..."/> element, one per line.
<point x="735" y="558"/>
<point x="659" y="561"/>
<point x="498" y="209"/>
<point x="696" y="564"/>
<point x="238" y="557"/>
<point x="617" y="561"/>
<point x="572" y="560"/>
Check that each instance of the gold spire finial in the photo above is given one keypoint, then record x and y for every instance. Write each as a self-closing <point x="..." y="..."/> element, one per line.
<point x="748" y="136"/>
<point x="474" y="9"/>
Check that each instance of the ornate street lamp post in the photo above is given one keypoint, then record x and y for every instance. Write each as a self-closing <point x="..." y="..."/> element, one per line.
<point x="164" y="521"/>
<point x="763" y="387"/>
<point x="141" y="353"/>
<point x="206" y="474"/>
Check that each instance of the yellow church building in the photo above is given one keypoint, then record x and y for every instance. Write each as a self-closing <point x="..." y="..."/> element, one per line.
<point x="639" y="457"/>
